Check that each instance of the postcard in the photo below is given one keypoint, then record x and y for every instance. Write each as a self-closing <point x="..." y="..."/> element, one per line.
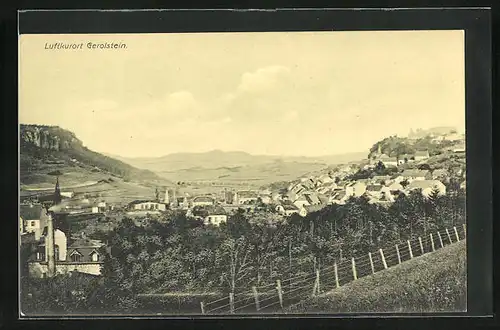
<point x="244" y="173"/>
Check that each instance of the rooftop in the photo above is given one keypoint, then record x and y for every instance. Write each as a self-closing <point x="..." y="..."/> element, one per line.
<point x="31" y="211"/>
<point x="203" y="199"/>
<point x="423" y="184"/>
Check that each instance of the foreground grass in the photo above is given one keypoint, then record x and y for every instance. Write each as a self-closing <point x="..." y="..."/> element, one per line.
<point x="431" y="283"/>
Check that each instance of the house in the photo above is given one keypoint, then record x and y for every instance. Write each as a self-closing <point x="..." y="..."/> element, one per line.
<point x="405" y="158"/>
<point x="427" y="187"/>
<point x="412" y="175"/>
<point x="395" y="188"/>
<point x="297" y="188"/>
<point x="67" y="194"/>
<point x="146" y="205"/>
<point x="421" y="155"/>
<point x="82" y="255"/>
<point x="305" y="210"/>
<point x="286" y="209"/>
<point x="301" y="201"/>
<point x="376" y="190"/>
<point x="356" y="188"/>
<point x="459" y="148"/>
<point x="60" y="246"/>
<point x="246" y="197"/>
<point x="276" y="196"/>
<point x="215" y="216"/>
<point x="338" y="198"/>
<point x="33" y="219"/>
<point x="390" y="162"/>
<point x="380" y="179"/>
<point x="291" y="196"/>
<point x="325" y="179"/>
<point x="203" y="201"/>
<point x="265" y="199"/>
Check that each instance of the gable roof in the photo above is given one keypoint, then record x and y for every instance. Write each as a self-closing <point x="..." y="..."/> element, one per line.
<point x="86" y="243"/>
<point x="203" y="199"/>
<point x="312" y="198"/>
<point x="374" y="187"/>
<point x="289" y="207"/>
<point x="414" y="173"/>
<point x="395" y="186"/>
<point x="31" y="211"/>
<point x="339" y="195"/>
<point x="423" y="184"/>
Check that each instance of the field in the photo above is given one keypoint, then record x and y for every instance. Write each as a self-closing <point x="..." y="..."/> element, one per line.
<point x="256" y="175"/>
<point x="431" y="283"/>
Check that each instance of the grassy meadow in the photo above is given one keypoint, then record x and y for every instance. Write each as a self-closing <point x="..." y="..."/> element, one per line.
<point x="431" y="283"/>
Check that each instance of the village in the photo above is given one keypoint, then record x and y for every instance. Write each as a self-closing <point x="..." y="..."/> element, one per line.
<point x="309" y="193"/>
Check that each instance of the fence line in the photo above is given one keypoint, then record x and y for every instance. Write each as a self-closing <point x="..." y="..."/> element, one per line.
<point x="338" y="274"/>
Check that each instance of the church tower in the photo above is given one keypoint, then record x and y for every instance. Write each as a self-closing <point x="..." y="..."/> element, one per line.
<point x="57" y="193"/>
<point x="167" y="197"/>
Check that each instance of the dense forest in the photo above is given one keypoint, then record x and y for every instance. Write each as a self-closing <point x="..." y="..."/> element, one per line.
<point x="175" y="253"/>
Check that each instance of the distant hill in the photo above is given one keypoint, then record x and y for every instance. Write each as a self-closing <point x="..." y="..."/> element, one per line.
<point x="230" y="166"/>
<point x="49" y="151"/>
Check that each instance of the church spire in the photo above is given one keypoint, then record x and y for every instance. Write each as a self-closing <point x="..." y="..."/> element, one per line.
<point x="57" y="193"/>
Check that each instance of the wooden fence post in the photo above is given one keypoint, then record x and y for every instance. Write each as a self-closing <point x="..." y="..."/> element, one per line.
<point x="315" y="287"/>
<point x="440" y="239"/>
<point x="371" y="262"/>
<point x="280" y="293"/>
<point x="421" y="245"/>
<point x="336" y="275"/>
<point x="256" y="297"/>
<point x="231" y="303"/>
<point x="399" y="256"/>
<point x="354" y="274"/>
<point x="456" y="233"/>
<point x="202" y="307"/>
<point x="318" y="286"/>
<point x="383" y="258"/>
<point x="432" y="244"/>
<point x="409" y="249"/>
<point x="449" y="236"/>
<point x="465" y="232"/>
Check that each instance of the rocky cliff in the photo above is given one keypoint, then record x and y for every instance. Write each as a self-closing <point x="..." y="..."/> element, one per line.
<point x="48" y="137"/>
<point x="44" y="145"/>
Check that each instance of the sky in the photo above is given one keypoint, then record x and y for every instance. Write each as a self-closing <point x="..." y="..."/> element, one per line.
<point x="274" y="93"/>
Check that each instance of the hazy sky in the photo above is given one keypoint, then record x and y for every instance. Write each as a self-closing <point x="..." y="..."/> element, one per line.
<point x="304" y="93"/>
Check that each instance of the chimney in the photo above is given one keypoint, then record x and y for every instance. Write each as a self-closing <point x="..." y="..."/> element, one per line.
<point x="49" y="247"/>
